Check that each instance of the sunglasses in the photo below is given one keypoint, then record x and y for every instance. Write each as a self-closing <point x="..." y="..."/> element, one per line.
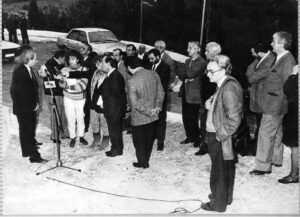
<point x="211" y="71"/>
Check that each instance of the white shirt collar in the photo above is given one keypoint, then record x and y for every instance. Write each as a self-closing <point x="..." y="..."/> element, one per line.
<point x="108" y="74"/>
<point x="141" y="56"/>
<point x="281" y="55"/>
<point x="29" y="70"/>
<point x="156" y="65"/>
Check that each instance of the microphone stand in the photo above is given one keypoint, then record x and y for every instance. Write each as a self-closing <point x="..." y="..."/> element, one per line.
<point x="58" y="127"/>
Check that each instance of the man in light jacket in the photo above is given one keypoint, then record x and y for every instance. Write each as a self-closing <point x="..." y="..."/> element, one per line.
<point x="223" y="119"/>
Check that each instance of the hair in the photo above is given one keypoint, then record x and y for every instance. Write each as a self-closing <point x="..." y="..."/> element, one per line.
<point x="74" y="53"/>
<point x="286" y="38"/>
<point x="155" y="52"/>
<point x="160" y="43"/>
<point x="134" y="62"/>
<point x="120" y="51"/>
<point x="216" y="47"/>
<point x="60" y="53"/>
<point x="89" y="47"/>
<point x="197" y="45"/>
<point x="131" y="45"/>
<point x="223" y="62"/>
<point x="262" y="47"/>
<point x="24" y="54"/>
<point x="109" y="59"/>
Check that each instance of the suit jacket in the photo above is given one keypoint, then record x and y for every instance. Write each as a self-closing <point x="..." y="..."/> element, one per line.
<point x="227" y="114"/>
<point x="113" y="96"/>
<point x="192" y="79"/>
<point x="256" y="76"/>
<point x="170" y="62"/>
<point x="273" y="101"/>
<point x="23" y="90"/>
<point x="145" y="61"/>
<point x="145" y="93"/>
<point x="163" y="71"/>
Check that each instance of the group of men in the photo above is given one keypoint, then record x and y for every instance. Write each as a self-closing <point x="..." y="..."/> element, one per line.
<point x="135" y="85"/>
<point x="13" y="21"/>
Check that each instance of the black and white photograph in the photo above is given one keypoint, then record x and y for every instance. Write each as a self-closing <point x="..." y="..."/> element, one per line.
<point x="150" y="107"/>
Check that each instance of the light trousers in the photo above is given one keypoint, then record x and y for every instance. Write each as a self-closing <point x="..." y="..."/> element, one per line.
<point x="75" y="114"/>
<point x="98" y="123"/>
<point x="269" y="146"/>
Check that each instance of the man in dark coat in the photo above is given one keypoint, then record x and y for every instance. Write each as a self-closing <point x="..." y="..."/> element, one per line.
<point x="191" y="93"/>
<point x="24" y="93"/>
<point x="114" y="104"/>
<point x="163" y="71"/>
<point x="23" y="27"/>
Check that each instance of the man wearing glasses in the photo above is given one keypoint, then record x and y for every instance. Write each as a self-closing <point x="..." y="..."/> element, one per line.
<point x="223" y="119"/>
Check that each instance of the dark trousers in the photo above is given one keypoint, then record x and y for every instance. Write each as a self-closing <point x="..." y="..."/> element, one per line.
<point x="221" y="175"/>
<point x="162" y="124"/>
<point x="115" y="135"/>
<point x="12" y="34"/>
<point x="203" y="118"/>
<point x="27" y="125"/>
<point x="24" y="36"/>
<point x="190" y="119"/>
<point x="143" y="138"/>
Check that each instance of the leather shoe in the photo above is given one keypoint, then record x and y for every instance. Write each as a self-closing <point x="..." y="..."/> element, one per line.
<point x="207" y="207"/>
<point x="201" y="152"/>
<point x="186" y="141"/>
<point x="139" y="165"/>
<point x="196" y="144"/>
<point x="288" y="180"/>
<point x="37" y="160"/>
<point x="112" y="154"/>
<point x="277" y="165"/>
<point x="259" y="172"/>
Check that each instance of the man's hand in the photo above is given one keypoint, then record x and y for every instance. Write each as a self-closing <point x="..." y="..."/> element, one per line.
<point x="42" y="71"/>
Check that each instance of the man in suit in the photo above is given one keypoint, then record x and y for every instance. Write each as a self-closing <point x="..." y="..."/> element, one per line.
<point x="118" y="55"/>
<point x="256" y="73"/>
<point x="212" y="49"/>
<point x="191" y="96"/>
<point x="274" y="106"/>
<point x="225" y="110"/>
<point x="24" y="95"/>
<point x="141" y="53"/>
<point x="146" y="96"/>
<point x="161" y="46"/>
<point x="114" y="104"/>
<point x="163" y="71"/>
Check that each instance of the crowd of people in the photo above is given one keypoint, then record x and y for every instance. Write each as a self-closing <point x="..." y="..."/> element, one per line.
<point x="12" y="22"/>
<point x="128" y="91"/>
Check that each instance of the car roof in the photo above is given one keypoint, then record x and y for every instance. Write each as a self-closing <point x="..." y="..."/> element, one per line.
<point x="87" y="29"/>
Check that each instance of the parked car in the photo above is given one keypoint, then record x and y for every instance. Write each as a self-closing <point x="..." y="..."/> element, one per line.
<point x="101" y="40"/>
<point x="8" y="50"/>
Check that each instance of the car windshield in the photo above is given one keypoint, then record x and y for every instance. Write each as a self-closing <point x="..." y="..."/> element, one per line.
<point x="102" y="37"/>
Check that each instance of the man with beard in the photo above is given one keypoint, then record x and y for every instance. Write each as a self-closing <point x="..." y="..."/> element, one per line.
<point x="163" y="71"/>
